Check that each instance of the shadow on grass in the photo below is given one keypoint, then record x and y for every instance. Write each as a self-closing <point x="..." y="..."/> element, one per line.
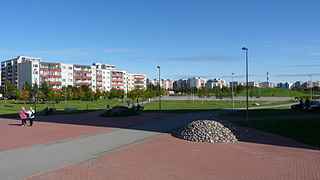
<point x="270" y="112"/>
<point x="154" y="121"/>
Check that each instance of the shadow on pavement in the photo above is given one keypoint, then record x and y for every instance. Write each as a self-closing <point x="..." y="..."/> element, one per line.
<point x="168" y="121"/>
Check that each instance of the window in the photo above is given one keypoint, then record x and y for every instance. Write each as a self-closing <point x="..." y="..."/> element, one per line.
<point x="70" y="68"/>
<point x="63" y="67"/>
<point x="69" y="74"/>
<point x="35" y="65"/>
<point x="63" y="80"/>
<point x="70" y="80"/>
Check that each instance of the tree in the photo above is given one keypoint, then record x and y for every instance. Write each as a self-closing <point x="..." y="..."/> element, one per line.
<point x="202" y="93"/>
<point x="25" y="95"/>
<point x="46" y="90"/>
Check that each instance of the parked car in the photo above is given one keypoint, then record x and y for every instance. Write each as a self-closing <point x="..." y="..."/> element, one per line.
<point x="296" y="106"/>
<point x="314" y="106"/>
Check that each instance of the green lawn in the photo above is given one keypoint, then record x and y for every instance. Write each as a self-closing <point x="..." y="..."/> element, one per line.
<point x="303" y="130"/>
<point x="277" y="92"/>
<point x="183" y="106"/>
<point x="10" y="108"/>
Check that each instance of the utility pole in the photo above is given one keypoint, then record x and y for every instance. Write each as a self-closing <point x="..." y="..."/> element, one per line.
<point x="159" y="89"/>
<point x="247" y="83"/>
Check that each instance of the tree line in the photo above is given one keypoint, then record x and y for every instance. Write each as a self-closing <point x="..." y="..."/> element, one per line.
<point x="45" y="92"/>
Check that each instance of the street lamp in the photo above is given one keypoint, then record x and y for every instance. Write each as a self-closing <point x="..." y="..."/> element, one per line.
<point x="232" y="90"/>
<point x="159" y="89"/>
<point x="247" y="83"/>
<point x="311" y="86"/>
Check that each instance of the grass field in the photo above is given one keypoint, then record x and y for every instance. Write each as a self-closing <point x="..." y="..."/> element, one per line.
<point x="277" y="92"/>
<point x="183" y="106"/>
<point x="10" y="108"/>
<point x="303" y="130"/>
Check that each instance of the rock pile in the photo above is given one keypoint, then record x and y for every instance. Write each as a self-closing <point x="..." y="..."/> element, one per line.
<point x="209" y="131"/>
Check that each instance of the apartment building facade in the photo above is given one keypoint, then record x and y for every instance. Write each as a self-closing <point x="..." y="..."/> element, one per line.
<point x="98" y="76"/>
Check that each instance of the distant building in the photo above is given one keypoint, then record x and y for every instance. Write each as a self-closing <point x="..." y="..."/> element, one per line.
<point x="215" y="83"/>
<point x="267" y="85"/>
<point x="254" y="84"/>
<point x="285" y="85"/>
<point x="97" y="76"/>
<point x="167" y="84"/>
<point x="180" y="84"/>
<point x="197" y="82"/>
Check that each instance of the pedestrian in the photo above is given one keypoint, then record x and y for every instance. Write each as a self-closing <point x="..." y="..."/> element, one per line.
<point x="31" y="113"/>
<point x="307" y="103"/>
<point x="301" y="104"/>
<point x="23" y="116"/>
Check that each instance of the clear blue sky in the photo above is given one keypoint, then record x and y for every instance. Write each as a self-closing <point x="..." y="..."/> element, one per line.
<point x="185" y="37"/>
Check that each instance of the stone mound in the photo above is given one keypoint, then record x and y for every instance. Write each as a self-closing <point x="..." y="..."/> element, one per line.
<point x="214" y="130"/>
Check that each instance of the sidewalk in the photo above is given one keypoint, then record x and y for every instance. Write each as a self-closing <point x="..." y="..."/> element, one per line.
<point x="26" y="162"/>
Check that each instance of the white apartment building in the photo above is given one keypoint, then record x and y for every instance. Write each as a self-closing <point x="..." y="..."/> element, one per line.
<point x="215" y="82"/>
<point x="167" y="84"/>
<point x="197" y="82"/>
<point x="97" y="76"/>
<point x="267" y="84"/>
<point x="136" y="81"/>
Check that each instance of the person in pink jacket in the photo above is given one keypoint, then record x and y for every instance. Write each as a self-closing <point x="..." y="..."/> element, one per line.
<point x="23" y="116"/>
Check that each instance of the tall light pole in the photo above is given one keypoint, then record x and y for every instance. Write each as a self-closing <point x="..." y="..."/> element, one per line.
<point x="159" y="89"/>
<point x="232" y="90"/>
<point x="247" y="83"/>
<point x="311" y="86"/>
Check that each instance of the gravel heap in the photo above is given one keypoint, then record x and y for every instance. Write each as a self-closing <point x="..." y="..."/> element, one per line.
<point x="209" y="131"/>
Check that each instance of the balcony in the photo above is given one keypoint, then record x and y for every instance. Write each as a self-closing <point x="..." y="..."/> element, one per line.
<point x="117" y="80"/>
<point x="99" y="85"/>
<point x="82" y="83"/>
<point x="99" y="79"/>
<point x="50" y="76"/>
<point x="138" y="77"/>
<point x="50" y="69"/>
<point x="82" y="71"/>
<point x="82" y="77"/>
<point x="116" y="75"/>
<point x="117" y="84"/>
<point x="139" y="82"/>
<point x="99" y="74"/>
<point x="138" y="85"/>
<point x="51" y="82"/>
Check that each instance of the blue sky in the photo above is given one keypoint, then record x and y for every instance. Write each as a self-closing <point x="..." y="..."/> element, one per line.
<point x="185" y="37"/>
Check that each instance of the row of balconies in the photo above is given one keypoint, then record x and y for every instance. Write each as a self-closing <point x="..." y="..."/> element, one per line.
<point x="82" y="77"/>
<point x="116" y="75"/>
<point x="82" y="71"/>
<point x="50" y="69"/>
<point x="50" y="76"/>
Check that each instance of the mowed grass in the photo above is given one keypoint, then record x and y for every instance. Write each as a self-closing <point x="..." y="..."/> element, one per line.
<point x="10" y="108"/>
<point x="277" y="92"/>
<point x="302" y="130"/>
<point x="184" y="106"/>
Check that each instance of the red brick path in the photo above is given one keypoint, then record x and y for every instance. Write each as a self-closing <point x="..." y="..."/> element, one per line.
<point x="48" y="129"/>
<point x="166" y="157"/>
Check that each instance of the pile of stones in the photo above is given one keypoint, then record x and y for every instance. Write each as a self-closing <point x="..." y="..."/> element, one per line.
<point x="213" y="130"/>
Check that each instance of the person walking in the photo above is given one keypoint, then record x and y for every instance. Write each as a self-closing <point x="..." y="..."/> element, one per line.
<point x="30" y="113"/>
<point x="23" y="116"/>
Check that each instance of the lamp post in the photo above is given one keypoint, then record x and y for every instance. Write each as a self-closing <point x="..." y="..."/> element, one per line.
<point x="159" y="89"/>
<point x="247" y="83"/>
<point x="35" y="88"/>
<point x="232" y="91"/>
<point x="311" y="86"/>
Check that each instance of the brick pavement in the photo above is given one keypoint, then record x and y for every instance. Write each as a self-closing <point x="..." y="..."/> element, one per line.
<point x="166" y="157"/>
<point x="48" y="129"/>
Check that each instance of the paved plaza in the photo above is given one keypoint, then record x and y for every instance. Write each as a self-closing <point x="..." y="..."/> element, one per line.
<point x="86" y="146"/>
